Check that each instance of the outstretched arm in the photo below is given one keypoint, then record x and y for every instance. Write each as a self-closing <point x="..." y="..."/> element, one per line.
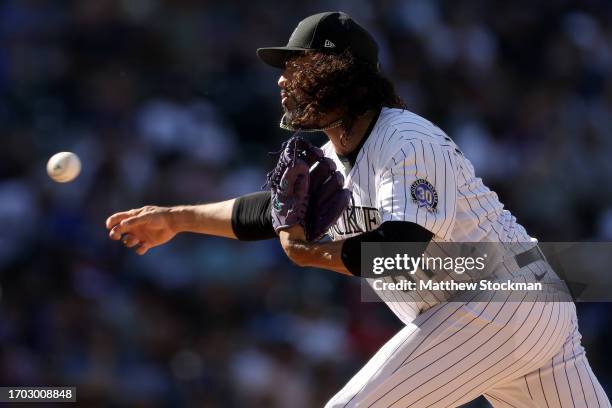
<point x="150" y="226"/>
<point x="245" y="218"/>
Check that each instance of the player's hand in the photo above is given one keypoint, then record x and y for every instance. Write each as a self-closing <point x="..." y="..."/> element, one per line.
<point x="143" y="228"/>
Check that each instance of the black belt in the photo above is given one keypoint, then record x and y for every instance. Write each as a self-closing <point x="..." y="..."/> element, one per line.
<point x="530" y="256"/>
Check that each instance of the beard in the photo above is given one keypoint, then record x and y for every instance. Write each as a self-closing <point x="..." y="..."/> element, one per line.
<point x="294" y="112"/>
<point x="294" y="118"/>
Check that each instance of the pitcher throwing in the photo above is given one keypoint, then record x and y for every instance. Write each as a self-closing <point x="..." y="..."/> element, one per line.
<point x="404" y="180"/>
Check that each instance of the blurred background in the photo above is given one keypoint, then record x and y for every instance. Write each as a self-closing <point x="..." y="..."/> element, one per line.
<point x="166" y="103"/>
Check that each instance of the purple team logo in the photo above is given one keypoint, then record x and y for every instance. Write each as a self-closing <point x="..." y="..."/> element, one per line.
<point x="424" y="195"/>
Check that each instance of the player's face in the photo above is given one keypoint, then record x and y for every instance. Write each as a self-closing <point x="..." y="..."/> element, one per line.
<point x="293" y="100"/>
<point x="288" y="100"/>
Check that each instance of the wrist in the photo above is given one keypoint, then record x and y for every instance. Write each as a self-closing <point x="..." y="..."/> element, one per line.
<point x="295" y="247"/>
<point x="180" y="218"/>
<point x="295" y="233"/>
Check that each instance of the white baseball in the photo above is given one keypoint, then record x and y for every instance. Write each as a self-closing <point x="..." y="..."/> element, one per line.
<point x="64" y="167"/>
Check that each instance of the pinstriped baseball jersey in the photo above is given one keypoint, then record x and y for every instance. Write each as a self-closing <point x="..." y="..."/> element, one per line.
<point x="408" y="169"/>
<point x="523" y="353"/>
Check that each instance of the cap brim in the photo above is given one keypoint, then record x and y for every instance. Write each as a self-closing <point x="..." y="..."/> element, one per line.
<point x="277" y="56"/>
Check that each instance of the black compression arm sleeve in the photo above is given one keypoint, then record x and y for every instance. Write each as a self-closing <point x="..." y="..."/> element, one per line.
<point x="390" y="231"/>
<point x="251" y="217"/>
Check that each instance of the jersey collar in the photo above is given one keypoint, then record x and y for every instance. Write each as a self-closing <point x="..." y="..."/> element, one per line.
<point x="349" y="160"/>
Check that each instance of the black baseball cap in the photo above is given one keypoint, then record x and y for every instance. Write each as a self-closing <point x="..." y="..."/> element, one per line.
<point x="332" y="31"/>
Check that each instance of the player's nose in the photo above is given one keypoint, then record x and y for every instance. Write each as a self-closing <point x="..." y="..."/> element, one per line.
<point x="282" y="81"/>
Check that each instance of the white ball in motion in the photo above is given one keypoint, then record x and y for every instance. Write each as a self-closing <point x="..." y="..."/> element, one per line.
<point x="63" y="167"/>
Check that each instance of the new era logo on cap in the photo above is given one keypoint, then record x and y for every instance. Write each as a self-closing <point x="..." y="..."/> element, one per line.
<point x="329" y="44"/>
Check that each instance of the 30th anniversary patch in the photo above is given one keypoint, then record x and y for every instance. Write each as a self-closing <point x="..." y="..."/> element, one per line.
<point x="424" y="195"/>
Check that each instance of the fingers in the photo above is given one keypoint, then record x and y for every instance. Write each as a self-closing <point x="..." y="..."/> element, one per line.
<point x="134" y="221"/>
<point x="129" y="241"/>
<point x="142" y="249"/>
<point x="126" y="225"/>
<point x="120" y="216"/>
<point x="121" y="226"/>
<point x="116" y="232"/>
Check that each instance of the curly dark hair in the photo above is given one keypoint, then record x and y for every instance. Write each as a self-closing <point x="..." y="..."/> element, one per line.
<point x="338" y="81"/>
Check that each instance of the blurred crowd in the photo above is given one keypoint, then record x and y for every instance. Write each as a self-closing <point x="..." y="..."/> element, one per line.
<point x="166" y="103"/>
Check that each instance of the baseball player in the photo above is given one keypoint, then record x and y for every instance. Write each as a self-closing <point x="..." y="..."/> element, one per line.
<point x="407" y="182"/>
